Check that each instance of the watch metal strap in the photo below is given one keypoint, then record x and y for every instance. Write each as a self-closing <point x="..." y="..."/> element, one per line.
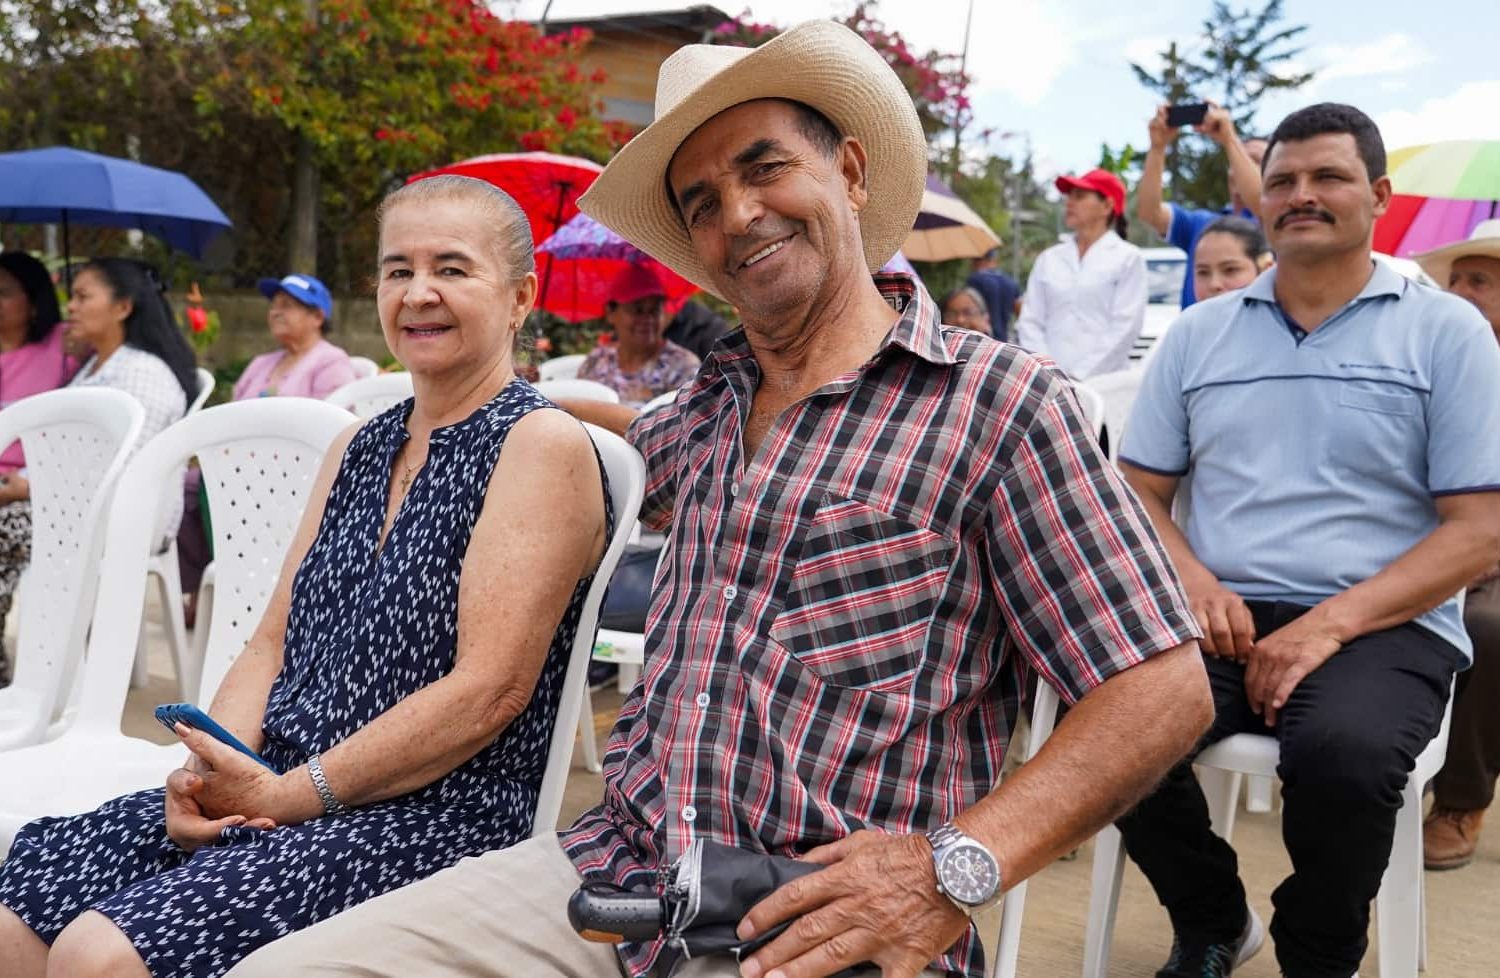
<point x="944" y="835"/>
<point x="331" y="804"/>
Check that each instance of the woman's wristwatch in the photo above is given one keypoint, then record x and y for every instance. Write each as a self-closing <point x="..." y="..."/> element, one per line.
<point x="331" y="804"/>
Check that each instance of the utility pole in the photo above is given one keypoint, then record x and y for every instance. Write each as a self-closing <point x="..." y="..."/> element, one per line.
<point x="958" y="121"/>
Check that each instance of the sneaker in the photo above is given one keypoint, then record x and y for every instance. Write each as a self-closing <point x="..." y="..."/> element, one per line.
<point x="1214" y="960"/>
<point x="1449" y="837"/>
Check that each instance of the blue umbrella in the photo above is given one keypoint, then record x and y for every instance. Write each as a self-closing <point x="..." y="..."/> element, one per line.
<point x="58" y="185"/>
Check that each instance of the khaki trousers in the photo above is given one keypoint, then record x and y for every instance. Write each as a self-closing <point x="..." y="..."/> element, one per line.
<point x="499" y="915"/>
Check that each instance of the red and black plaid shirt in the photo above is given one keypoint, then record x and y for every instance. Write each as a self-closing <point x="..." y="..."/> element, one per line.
<point x="841" y="627"/>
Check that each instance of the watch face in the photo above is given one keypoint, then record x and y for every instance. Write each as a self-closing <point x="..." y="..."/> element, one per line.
<point x="969" y="874"/>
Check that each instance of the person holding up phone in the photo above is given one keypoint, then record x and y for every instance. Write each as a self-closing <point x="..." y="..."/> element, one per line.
<point x="404" y="680"/>
<point x="1180" y="225"/>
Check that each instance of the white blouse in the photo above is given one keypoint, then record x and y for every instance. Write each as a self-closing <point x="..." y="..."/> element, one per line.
<point x="1085" y="313"/>
<point x="148" y="379"/>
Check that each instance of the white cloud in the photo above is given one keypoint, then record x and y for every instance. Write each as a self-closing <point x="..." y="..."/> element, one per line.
<point x="1468" y="113"/>
<point x="1388" y="55"/>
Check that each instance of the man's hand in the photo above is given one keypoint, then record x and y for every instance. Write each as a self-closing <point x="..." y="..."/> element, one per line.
<point x="1161" y="133"/>
<point x="1228" y="628"/>
<point x="877" y="901"/>
<point x="1217" y="125"/>
<point x="1283" y="659"/>
<point x="186" y="824"/>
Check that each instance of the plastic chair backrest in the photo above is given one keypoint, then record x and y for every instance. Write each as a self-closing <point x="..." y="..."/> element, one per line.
<point x="76" y="443"/>
<point x="627" y="484"/>
<point x="1092" y="403"/>
<point x="206" y="384"/>
<point x="660" y="401"/>
<point x="1118" y="389"/>
<point x="363" y="367"/>
<point x="561" y="368"/>
<point x="259" y="458"/>
<point x="372" y="395"/>
<point x="583" y="390"/>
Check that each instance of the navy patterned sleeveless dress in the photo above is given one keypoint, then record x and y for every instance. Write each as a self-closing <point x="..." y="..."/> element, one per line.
<point x="365" y="630"/>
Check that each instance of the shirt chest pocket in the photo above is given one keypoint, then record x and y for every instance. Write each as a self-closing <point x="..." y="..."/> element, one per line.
<point x="862" y="595"/>
<point x="1379" y="430"/>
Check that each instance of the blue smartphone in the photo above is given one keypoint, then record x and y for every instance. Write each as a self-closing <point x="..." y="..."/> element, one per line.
<point x="171" y="714"/>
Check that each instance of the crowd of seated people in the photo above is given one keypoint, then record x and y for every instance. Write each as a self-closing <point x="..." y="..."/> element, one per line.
<point x="813" y="627"/>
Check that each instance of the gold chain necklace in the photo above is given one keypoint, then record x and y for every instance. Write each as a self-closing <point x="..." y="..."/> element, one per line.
<point x="408" y="475"/>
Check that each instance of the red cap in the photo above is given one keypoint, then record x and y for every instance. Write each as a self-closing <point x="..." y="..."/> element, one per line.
<point x="636" y="282"/>
<point x="1100" y="182"/>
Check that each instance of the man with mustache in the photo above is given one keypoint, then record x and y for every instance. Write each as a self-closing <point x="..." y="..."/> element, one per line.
<point x="1341" y="427"/>
<point x="879" y="526"/>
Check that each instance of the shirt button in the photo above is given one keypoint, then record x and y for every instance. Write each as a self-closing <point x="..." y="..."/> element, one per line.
<point x="702" y="699"/>
<point x="734" y="488"/>
<point x="731" y="592"/>
<point x="689" y="813"/>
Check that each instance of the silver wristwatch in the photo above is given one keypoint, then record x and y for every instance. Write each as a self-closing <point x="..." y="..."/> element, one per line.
<point x="331" y="804"/>
<point x="967" y="873"/>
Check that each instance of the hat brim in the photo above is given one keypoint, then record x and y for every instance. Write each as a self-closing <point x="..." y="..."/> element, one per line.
<point x="1439" y="261"/>
<point x="821" y="64"/>
<point x="268" y="287"/>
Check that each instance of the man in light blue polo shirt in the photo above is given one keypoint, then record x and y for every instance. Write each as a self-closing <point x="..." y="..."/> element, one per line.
<point x="1341" y="428"/>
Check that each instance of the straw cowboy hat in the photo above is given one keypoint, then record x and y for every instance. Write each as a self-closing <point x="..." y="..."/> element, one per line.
<point x="1483" y="242"/>
<point x="821" y="64"/>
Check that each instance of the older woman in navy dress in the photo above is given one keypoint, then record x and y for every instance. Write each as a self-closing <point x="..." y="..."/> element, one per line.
<point x="406" y="675"/>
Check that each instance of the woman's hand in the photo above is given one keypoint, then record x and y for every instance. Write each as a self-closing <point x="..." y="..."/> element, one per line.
<point x="186" y="824"/>
<point x="14" y="488"/>
<point x="230" y="784"/>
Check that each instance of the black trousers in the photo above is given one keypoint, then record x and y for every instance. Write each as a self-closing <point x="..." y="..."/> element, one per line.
<point x="1350" y="734"/>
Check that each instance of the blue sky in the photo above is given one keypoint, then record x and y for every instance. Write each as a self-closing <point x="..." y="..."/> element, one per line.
<point x="1056" y="71"/>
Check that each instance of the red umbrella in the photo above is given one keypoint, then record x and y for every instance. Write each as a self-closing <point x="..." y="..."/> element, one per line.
<point x="546" y="185"/>
<point x="583" y="259"/>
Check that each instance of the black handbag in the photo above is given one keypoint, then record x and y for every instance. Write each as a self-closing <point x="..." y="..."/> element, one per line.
<point x="706" y="893"/>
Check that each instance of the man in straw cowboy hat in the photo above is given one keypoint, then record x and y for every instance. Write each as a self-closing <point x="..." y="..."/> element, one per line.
<point x="879" y="526"/>
<point x="1465" y="788"/>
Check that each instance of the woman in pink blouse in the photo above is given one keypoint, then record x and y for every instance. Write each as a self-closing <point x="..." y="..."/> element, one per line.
<point x="32" y="360"/>
<point x="307" y="365"/>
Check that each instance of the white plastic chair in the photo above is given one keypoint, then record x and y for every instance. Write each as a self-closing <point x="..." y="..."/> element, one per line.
<point x="1008" y="943"/>
<point x="364" y="367"/>
<point x="259" y="460"/>
<point x="660" y="401"/>
<point x="1093" y="405"/>
<point x="372" y="395"/>
<point x="561" y="368"/>
<point x="1400" y="906"/>
<point x="166" y="571"/>
<point x="1118" y="390"/>
<point x="76" y="442"/>
<point x="583" y="390"/>
<point x="627" y="485"/>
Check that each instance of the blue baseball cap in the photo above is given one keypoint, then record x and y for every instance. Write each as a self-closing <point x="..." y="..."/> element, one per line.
<point x="304" y="288"/>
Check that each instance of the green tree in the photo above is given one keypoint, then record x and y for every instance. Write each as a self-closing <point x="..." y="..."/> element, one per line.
<point x="1239" y="57"/>
<point x="244" y="95"/>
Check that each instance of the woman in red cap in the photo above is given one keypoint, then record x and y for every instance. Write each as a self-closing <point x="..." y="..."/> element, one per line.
<point x="1086" y="299"/>
<point x="641" y="363"/>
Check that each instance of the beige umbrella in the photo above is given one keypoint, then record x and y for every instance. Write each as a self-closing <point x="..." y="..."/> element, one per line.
<point x="947" y="227"/>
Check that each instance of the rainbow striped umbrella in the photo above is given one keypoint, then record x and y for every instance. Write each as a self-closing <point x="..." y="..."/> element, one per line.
<point x="1442" y="191"/>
